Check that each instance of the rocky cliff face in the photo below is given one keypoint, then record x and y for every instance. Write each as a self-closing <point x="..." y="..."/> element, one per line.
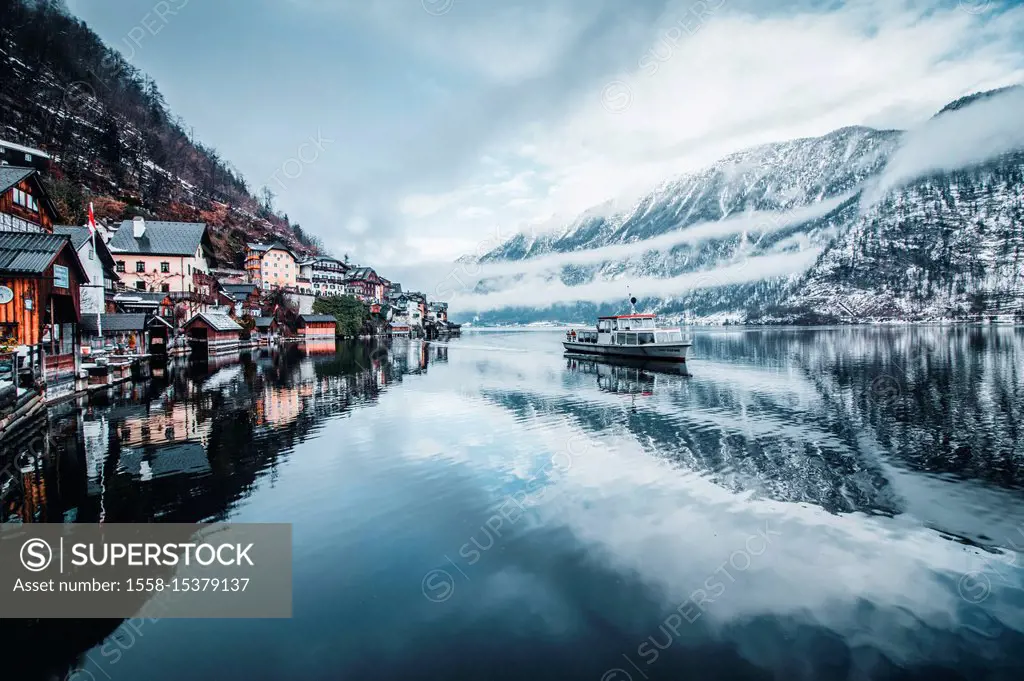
<point x="945" y="246"/>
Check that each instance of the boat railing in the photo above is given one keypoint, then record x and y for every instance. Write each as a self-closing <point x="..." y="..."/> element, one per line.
<point x="581" y="336"/>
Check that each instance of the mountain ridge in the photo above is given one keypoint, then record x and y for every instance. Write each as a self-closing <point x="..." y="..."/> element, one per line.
<point x="801" y="173"/>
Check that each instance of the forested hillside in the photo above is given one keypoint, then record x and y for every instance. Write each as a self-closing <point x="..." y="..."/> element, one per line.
<point x="114" y="140"/>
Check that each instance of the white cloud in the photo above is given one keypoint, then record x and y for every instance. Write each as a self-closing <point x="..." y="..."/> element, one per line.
<point x="956" y="139"/>
<point x="741" y="78"/>
<point x="539" y="292"/>
<point x="759" y="222"/>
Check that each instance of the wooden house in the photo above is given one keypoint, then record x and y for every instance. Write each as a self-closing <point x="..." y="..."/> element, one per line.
<point x="161" y="336"/>
<point x="213" y="332"/>
<point x="13" y="154"/>
<point x="40" y="283"/>
<point x="317" y="326"/>
<point x="123" y="331"/>
<point x="24" y="204"/>
<point x="266" y="328"/>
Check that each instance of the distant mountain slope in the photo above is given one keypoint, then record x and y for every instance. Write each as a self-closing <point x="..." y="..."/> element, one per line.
<point x="948" y="246"/>
<point x="112" y="137"/>
<point x="945" y="246"/>
<point x="772" y="177"/>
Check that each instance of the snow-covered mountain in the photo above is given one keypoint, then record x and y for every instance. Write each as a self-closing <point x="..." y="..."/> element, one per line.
<point x="945" y="246"/>
<point x="950" y="246"/>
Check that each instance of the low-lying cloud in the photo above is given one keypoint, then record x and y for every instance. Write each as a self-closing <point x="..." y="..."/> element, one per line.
<point x="753" y="222"/>
<point x="541" y="293"/>
<point x="956" y="139"/>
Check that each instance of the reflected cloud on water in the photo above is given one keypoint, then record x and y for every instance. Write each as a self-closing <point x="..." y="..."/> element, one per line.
<point x="829" y="503"/>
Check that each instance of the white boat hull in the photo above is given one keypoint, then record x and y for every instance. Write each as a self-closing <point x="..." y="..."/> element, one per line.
<point x="664" y="352"/>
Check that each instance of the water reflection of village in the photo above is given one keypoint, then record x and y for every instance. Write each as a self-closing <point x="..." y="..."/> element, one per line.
<point x="141" y="452"/>
<point x="183" y="447"/>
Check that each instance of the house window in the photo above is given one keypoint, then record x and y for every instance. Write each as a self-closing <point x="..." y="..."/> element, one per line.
<point x="120" y="265"/>
<point x="140" y="286"/>
<point x="166" y="288"/>
<point x="25" y="200"/>
<point x="165" y="267"/>
<point x="140" y="266"/>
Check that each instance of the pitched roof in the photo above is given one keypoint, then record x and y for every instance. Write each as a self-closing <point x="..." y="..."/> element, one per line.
<point x="12" y="175"/>
<point x="30" y="252"/>
<point x="244" y="290"/>
<point x="361" y="274"/>
<point x="325" y="261"/>
<point x="329" y="259"/>
<point x="277" y="245"/>
<point x="23" y="149"/>
<point x="157" y="319"/>
<point x="217" y="321"/>
<point x="264" y="322"/>
<point x="150" y="297"/>
<point x="80" y="236"/>
<point x="317" y="319"/>
<point x="115" y="323"/>
<point x="161" y="238"/>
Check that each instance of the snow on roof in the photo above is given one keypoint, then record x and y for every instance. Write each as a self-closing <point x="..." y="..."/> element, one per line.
<point x="217" y="321"/>
<point x="23" y="149"/>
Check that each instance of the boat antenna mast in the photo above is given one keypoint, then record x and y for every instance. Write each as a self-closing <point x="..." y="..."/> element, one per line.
<point x="632" y="302"/>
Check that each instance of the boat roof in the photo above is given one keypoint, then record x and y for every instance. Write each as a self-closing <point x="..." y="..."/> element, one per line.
<point x="629" y="316"/>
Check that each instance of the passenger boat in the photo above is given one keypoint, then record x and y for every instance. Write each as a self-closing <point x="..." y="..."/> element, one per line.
<point x="633" y="335"/>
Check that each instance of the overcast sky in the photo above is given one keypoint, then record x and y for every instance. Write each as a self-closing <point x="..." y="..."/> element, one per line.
<point x="442" y="123"/>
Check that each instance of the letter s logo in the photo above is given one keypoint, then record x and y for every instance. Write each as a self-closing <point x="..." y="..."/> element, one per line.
<point x="36" y="555"/>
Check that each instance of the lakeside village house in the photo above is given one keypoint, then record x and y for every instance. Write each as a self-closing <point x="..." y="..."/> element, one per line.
<point x="67" y="290"/>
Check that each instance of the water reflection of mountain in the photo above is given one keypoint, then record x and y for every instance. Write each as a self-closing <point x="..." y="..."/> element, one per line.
<point x="184" y="447"/>
<point x="824" y="417"/>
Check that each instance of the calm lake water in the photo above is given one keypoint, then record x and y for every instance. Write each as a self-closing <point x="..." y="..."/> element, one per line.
<point x="796" y="504"/>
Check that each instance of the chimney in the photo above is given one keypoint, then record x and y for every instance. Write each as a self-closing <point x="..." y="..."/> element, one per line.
<point x="138" y="227"/>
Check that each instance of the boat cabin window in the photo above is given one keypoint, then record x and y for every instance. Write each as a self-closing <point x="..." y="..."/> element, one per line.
<point x="631" y="324"/>
<point x="645" y="338"/>
<point x="630" y="338"/>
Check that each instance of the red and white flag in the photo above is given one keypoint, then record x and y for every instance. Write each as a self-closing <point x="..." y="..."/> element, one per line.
<point x="92" y="220"/>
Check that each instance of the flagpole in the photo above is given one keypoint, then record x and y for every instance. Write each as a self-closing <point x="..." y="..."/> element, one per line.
<point x="96" y="255"/>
